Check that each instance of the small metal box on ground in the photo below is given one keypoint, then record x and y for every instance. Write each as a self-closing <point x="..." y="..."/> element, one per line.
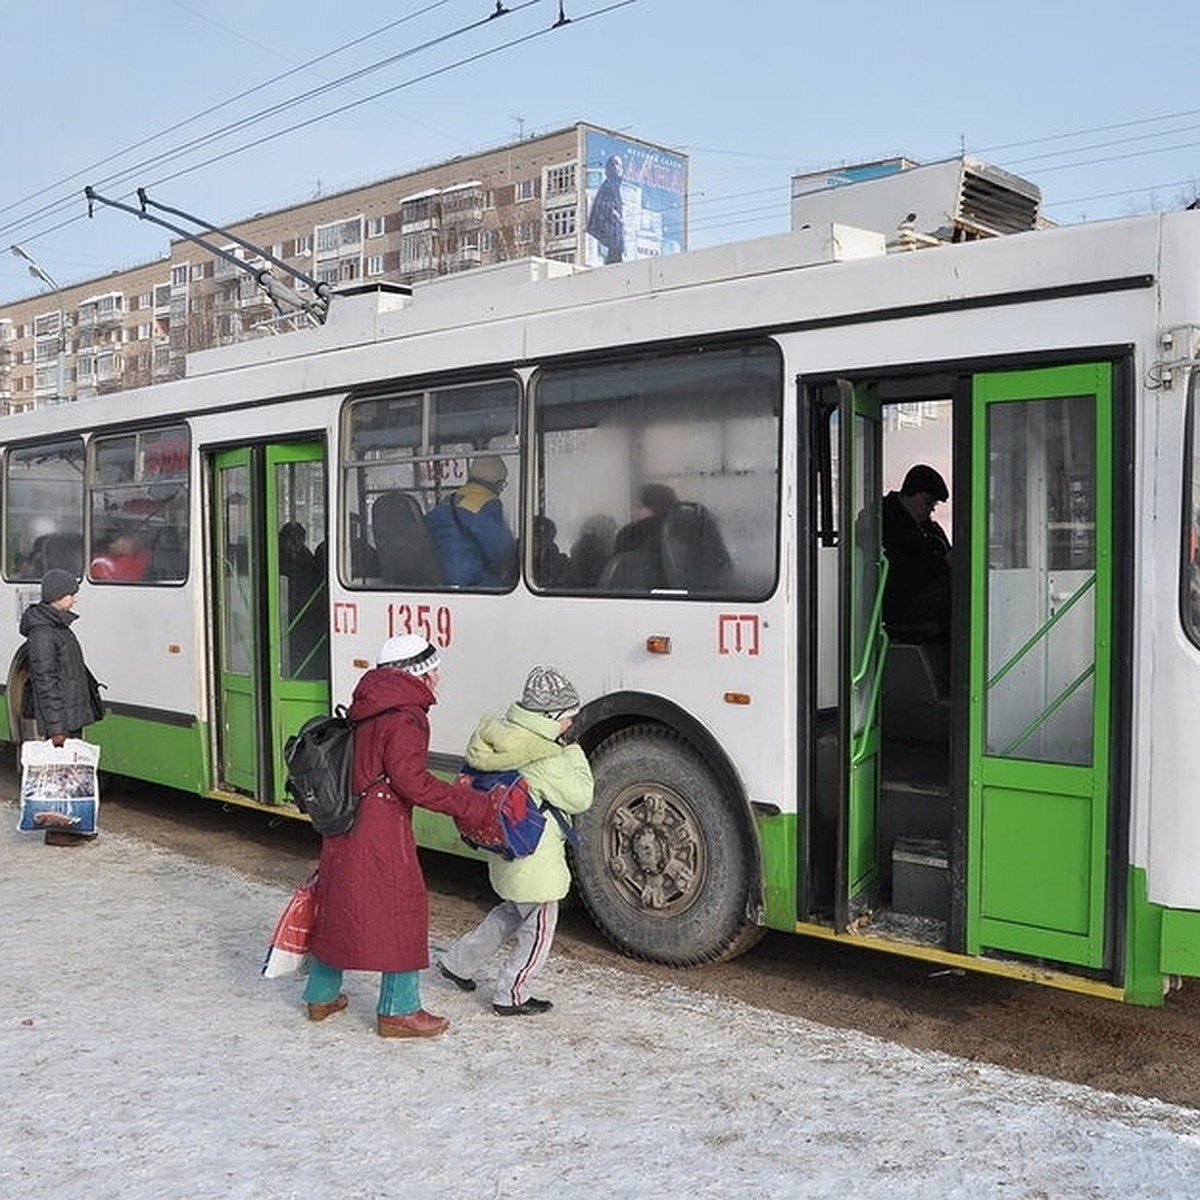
<point x="921" y="877"/>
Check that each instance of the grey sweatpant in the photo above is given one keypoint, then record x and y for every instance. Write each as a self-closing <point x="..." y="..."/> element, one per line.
<point x="533" y="927"/>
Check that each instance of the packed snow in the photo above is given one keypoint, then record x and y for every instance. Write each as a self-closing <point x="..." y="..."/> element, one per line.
<point x="145" y="1057"/>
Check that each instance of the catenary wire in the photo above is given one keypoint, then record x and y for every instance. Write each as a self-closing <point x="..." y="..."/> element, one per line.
<point x="87" y="171"/>
<point x="205" y="139"/>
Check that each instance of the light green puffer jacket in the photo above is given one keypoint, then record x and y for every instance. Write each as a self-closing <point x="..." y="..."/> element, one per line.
<point x="525" y="741"/>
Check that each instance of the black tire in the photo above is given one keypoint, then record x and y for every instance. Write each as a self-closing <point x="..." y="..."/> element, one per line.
<point x="23" y="728"/>
<point x="664" y="862"/>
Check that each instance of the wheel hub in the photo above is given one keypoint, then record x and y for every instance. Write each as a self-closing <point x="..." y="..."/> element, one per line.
<point x="655" y="850"/>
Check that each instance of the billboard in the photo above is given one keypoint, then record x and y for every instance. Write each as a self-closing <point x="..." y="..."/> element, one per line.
<point x="636" y="199"/>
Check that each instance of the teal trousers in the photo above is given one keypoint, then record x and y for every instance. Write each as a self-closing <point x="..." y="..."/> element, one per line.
<point x="399" y="991"/>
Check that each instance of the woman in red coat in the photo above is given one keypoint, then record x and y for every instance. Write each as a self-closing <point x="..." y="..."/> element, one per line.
<point x="372" y="908"/>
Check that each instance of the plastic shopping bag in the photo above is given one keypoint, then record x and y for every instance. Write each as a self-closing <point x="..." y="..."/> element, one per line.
<point x="288" y="952"/>
<point x="59" y="787"/>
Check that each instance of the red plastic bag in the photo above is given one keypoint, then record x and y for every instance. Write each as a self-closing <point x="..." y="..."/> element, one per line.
<point x="288" y="951"/>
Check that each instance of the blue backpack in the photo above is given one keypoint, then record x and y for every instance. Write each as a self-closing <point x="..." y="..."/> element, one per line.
<point x="515" y="824"/>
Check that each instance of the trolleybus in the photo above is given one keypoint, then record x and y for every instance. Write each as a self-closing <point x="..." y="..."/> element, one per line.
<point x="1018" y="798"/>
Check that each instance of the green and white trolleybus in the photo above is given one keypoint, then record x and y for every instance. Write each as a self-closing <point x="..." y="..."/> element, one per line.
<point x="1020" y="799"/>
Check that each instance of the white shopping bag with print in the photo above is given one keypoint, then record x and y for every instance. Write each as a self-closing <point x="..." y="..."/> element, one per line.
<point x="59" y="788"/>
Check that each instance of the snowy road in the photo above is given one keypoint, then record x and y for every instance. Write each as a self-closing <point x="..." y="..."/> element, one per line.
<point x="144" y="1057"/>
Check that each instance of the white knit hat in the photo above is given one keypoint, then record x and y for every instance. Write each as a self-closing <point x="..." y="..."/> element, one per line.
<point x="409" y="652"/>
<point x="549" y="691"/>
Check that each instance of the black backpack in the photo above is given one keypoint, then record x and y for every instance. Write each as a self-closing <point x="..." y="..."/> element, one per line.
<point x="319" y="761"/>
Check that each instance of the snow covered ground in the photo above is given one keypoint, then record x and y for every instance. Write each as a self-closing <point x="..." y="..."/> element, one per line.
<point x="143" y="1056"/>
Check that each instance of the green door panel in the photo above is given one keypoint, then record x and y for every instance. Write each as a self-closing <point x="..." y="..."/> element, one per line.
<point x="864" y="643"/>
<point x="236" y="624"/>
<point x="1040" y="662"/>
<point x="272" y="619"/>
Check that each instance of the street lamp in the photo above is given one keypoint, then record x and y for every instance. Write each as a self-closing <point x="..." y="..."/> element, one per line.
<point x="40" y="273"/>
<point x="35" y="268"/>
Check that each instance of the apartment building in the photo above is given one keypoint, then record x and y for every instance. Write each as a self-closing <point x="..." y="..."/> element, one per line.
<point x="134" y="326"/>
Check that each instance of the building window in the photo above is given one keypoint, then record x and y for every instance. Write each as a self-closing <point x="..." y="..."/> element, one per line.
<point x="304" y="243"/>
<point x="276" y="249"/>
<point x="375" y="264"/>
<point x="560" y="180"/>
<point x="526" y="233"/>
<point x="198" y="271"/>
<point x="339" y="234"/>
<point x="489" y="198"/>
<point x="421" y="209"/>
<point x="560" y="222"/>
<point x="179" y="276"/>
<point x="487" y="239"/>
<point x="416" y="251"/>
<point x="526" y="189"/>
<point x="376" y="226"/>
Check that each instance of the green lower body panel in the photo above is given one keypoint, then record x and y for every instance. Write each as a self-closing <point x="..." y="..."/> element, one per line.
<point x="777" y="843"/>
<point x="436" y="831"/>
<point x="1161" y="942"/>
<point x="1179" y="942"/>
<point x="174" y="756"/>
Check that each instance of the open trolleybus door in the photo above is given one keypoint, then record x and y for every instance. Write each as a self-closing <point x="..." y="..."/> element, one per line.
<point x="863" y="647"/>
<point x="1040" y="663"/>
<point x="272" y="608"/>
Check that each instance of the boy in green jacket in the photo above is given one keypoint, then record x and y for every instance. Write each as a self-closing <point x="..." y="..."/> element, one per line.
<point x="528" y="739"/>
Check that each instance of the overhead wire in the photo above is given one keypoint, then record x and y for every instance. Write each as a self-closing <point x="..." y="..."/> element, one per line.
<point x="432" y="74"/>
<point x="253" y="118"/>
<point x="711" y="219"/>
<point x="86" y="172"/>
<point x="199" y="142"/>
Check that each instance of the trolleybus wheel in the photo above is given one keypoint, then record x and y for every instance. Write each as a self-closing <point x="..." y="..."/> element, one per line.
<point x="664" y="864"/>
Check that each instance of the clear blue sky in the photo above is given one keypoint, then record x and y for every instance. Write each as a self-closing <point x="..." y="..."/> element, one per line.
<point x="1095" y="102"/>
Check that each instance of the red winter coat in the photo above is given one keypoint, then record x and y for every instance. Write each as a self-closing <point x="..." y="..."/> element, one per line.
<point x="372" y="908"/>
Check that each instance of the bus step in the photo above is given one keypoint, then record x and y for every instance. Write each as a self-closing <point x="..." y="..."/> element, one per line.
<point x="921" y="877"/>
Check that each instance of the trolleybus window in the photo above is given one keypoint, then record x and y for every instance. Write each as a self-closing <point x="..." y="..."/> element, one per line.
<point x="43" y="506"/>
<point x="426" y="485"/>
<point x="138" y="499"/>
<point x="659" y="474"/>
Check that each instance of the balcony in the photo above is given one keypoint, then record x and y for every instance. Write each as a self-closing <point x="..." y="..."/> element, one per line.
<point x="102" y="312"/>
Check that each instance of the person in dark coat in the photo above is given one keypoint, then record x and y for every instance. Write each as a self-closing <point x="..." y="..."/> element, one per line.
<point x="65" y="694"/>
<point x="606" y="221"/>
<point x="917" y="594"/>
<point x="644" y="532"/>
<point x="372" y="907"/>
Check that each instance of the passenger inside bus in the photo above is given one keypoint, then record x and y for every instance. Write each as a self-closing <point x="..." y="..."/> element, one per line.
<point x="50" y="550"/>
<point x="669" y="544"/>
<point x="364" y="558"/>
<point x="551" y="566"/>
<point x="474" y="544"/>
<point x="591" y="550"/>
<point x="126" y="559"/>
<point x="916" y="600"/>
<point x="303" y="608"/>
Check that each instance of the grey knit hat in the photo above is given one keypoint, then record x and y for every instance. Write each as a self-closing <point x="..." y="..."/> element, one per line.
<point x="57" y="583"/>
<point x="548" y="691"/>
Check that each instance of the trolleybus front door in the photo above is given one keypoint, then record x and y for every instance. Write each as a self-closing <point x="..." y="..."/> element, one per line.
<point x="1040" y="662"/>
<point x="272" y="623"/>
<point x="863" y="646"/>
